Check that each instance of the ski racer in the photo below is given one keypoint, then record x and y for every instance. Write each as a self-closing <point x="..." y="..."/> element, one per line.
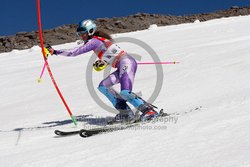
<point x="110" y="54"/>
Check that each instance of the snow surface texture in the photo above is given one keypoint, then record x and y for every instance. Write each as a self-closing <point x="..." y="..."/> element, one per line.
<point x="214" y="72"/>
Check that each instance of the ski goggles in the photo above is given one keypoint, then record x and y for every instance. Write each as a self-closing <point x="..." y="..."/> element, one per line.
<point x="80" y="31"/>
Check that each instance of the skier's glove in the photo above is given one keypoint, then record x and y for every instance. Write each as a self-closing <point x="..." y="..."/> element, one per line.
<point x="99" y="65"/>
<point x="50" y="49"/>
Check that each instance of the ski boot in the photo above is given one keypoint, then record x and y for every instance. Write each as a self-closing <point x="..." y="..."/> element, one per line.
<point x="148" y="112"/>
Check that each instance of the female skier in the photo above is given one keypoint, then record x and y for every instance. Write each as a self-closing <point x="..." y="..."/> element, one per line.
<point x="109" y="53"/>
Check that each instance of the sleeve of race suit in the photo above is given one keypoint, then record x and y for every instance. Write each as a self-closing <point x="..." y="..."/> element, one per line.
<point x="90" y="45"/>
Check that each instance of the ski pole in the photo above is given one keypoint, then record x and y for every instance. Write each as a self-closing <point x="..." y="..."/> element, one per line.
<point x="166" y="62"/>
<point x="39" y="80"/>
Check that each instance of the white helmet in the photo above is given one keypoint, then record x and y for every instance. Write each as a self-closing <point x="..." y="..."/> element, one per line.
<point x="86" y="26"/>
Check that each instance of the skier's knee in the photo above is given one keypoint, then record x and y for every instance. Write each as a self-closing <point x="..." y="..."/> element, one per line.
<point x="101" y="84"/>
<point x="102" y="89"/>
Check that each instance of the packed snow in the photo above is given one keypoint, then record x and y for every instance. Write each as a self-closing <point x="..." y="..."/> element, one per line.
<point x="208" y="93"/>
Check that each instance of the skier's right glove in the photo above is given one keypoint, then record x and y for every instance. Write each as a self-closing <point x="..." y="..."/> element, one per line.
<point x="50" y="49"/>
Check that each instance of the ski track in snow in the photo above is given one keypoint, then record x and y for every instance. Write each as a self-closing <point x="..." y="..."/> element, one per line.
<point x="209" y="92"/>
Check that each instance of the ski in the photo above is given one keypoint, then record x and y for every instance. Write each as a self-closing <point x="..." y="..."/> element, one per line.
<point x="90" y="132"/>
<point x="108" y="128"/>
<point x="66" y="133"/>
<point x="111" y="128"/>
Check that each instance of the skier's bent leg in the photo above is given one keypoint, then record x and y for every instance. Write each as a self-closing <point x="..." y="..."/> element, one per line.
<point x="106" y="84"/>
<point x="105" y="87"/>
<point x="109" y="94"/>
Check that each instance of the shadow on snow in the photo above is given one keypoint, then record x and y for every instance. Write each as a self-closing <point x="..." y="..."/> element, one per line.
<point x="86" y="119"/>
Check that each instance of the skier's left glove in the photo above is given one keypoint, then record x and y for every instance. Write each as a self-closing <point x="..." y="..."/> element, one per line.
<point x="100" y="65"/>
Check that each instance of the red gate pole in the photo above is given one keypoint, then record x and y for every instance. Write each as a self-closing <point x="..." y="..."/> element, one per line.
<point x="46" y="62"/>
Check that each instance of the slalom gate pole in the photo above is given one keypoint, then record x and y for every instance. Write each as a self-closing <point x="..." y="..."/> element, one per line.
<point x="47" y="64"/>
<point x="166" y="62"/>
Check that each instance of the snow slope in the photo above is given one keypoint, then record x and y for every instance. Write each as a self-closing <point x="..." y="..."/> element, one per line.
<point x="214" y="73"/>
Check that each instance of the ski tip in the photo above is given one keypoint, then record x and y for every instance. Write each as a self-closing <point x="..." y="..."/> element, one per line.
<point x="57" y="132"/>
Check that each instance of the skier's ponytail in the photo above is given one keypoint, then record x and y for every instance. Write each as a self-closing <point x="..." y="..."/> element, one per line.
<point x="102" y="33"/>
